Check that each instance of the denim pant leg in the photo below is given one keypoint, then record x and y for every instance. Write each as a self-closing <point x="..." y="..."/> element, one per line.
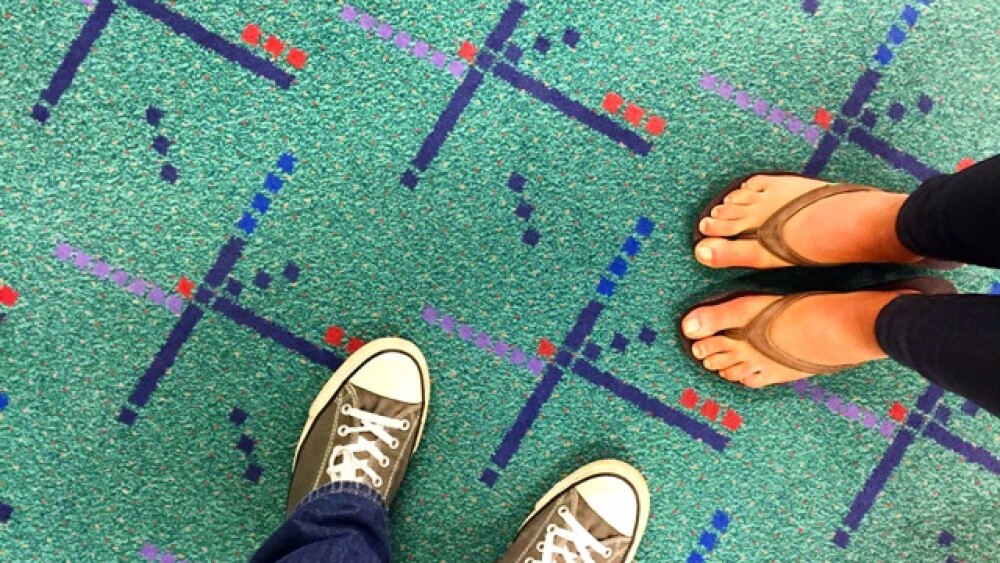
<point x="340" y="522"/>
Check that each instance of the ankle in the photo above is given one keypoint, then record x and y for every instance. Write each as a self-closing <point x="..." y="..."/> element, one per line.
<point x="883" y="221"/>
<point x="867" y="307"/>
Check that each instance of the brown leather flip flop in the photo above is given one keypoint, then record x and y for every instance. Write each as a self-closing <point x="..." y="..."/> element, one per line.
<point x="757" y="331"/>
<point x="770" y="234"/>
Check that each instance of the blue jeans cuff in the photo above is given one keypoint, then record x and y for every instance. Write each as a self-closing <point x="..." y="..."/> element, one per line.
<point x="343" y="487"/>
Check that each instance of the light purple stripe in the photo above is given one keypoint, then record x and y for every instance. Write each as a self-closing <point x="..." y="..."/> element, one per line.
<point x="456" y="68"/>
<point x="81" y="260"/>
<point x="517" y="357"/>
<point x="708" y="81"/>
<point x="403" y="40"/>
<point x="63" y="251"/>
<point x="349" y="13"/>
<point x="760" y="107"/>
<point x="725" y="90"/>
<point x="837" y="405"/>
<point x="465" y="332"/>
<point x="103" y="271"/>
<point x="430" y="315"/>
<point x="483" y="340"/>
<point x="175" y="304"/>
<point x="366" y="22"/>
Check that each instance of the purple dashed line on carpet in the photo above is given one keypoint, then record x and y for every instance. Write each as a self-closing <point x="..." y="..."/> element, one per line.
<point x="404" y="41"/>
<point x="761" y="108"/>
<point x="484" y="341"/>
<point x="837" y="405"/>
<point x="104" y="271"/>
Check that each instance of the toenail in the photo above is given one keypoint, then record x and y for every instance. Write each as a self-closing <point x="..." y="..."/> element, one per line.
<point x="703" y="225"/>
<point x="704" y="254"/>
<point x="691" y="326"/>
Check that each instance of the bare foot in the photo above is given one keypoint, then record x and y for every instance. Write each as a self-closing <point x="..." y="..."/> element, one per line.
<point x="829" y="329"/>
<point x="857" y="227"/>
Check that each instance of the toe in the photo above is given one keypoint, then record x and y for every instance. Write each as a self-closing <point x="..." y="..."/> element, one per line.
<point x="742" y="197"/>
<point x="721" y="361"/>
<point x="712" y="345"/>
<point x="756" y="380"/>
<point x="738" y="372"/>
<point x="722" y="253"/>
<point x="713" y="227"/>
<point x="756" y="183"/>
<point x="730" y="212"/>
<point x="707" y="321"/>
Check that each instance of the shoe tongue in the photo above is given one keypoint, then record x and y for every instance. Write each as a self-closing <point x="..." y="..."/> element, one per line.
<point x="592" y="521"/>
<point x="363" y="399"/>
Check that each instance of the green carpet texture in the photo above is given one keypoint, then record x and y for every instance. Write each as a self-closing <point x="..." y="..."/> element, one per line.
<point x="206" y="206"/>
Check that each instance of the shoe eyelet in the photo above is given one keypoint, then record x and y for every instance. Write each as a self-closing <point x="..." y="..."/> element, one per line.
<point x="377" y="481"/>
<point x="345" y="409"/>
<point x="562" y="511"/>
<point x="608" y="552"/>
<point x="540" y="547"/>
<point x="384" y="462"/>
<point x="551" y="528"/>
<point x="341" y="431"/>
<point x="406" y="425"/>
<point x="394" y="443"/>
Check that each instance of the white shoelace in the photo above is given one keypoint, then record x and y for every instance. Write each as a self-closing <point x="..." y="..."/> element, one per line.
<point x="344" y="464"/>
<point x="576" y="535"/>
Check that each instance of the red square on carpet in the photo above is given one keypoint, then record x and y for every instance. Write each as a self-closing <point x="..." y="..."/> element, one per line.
<point x="354" y="344"/>
<point x="468" y="52"/>
<point x="545" y="348"/>
<point x="656" y="125"/>
<point x="613" y="102"/>
<point x="8" y="296"/>
<point x="732" y="420"/>
<point x="251" y="34"/>
<point x="964" y="163"/>
<point x="823" y="118"/>
<point x="334" y="336"/>
<point x="710" y="410"/>
<point x="274" y="46"/>
<point x="689" y="398"/>
<point x="185" y="287"/>
<point x="633" y="114"/>
<point x="297" y="58"/>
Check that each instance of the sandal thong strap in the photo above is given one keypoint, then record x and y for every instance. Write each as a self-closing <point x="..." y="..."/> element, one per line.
<point x="771" y="236"/>
<point x="758" y="334"/>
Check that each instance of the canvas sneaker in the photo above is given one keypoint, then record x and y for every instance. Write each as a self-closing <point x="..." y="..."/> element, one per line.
<point x="597" y="514"/>
<point x="365" y="423"/>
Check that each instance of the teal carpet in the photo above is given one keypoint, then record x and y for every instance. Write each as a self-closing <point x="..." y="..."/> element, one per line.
<point x="204" y="207"/>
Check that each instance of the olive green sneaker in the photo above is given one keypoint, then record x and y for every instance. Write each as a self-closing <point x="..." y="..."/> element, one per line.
<point x="597" y="514"/>
<point x="365" y="423"/>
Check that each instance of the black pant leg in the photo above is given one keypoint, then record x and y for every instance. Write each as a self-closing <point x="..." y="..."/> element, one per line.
<point x="952" y="340"/>
<point x="956" y="216"/>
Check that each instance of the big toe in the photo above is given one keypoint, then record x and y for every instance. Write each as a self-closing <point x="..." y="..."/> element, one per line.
<point x="735" y="313"/>
<point x="724" y="253"/>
